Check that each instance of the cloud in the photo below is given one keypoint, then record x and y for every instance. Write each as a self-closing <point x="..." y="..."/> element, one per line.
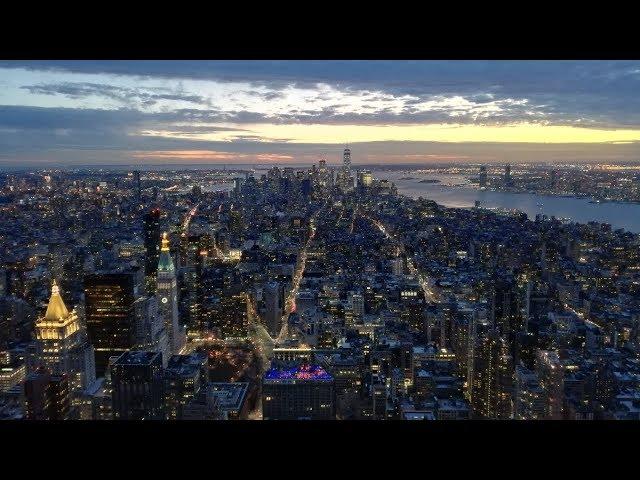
<point x="211" y="155"/>
<point x="125" y="106"/>
<point x="127" y="96"/>
<point x="583" y="93"/>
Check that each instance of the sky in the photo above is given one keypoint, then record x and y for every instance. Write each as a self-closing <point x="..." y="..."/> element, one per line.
<point x="65" y="113"/>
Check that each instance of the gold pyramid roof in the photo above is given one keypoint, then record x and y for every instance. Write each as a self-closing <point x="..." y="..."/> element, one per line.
<point x="56" y="308"/>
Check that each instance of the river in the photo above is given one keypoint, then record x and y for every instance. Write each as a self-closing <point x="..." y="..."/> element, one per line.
<point x="456" y="191"/>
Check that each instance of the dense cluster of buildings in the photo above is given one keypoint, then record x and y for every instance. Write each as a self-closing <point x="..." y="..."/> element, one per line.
<point x="312" y="293"/>
<point x="619" y="183"/>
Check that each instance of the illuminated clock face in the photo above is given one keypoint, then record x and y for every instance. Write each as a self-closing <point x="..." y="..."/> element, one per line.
<point x="165" y="299"/>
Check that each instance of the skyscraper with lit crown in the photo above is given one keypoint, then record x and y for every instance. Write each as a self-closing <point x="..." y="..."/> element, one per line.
<point x="167" y="293"/>
<point x="62" y="344"/>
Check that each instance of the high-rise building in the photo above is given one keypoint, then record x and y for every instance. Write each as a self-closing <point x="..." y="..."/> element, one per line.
<point x="138" y="386"/>
<point x="151" y="334"/>
<point x="323" y="174"/>
<point x="47" y="396"/>
<point x="492" y="377"/>
<point x="357" y="302"/>
<point x="505" y="312"/>
<point x="298" y="393"/>
<point x="348" y="380"/>
<point x="96" y="402"/>
<point x="397" y="266"/>
<point x="366" y="179"/>
<point x="306" y="187"/>
<point x="551" y="375"/>
<point x="193" y="254"/>
<point x="12" y="371"/>
<point x="137" y="184"/>
<point x="62" y="345"/>
<point x="167" y="294"/>
<point x="110" y="313"/>
<point x="483" y="176"/>
<point x="237" y="186"/>
<point x="529" y="399"/>
<point x="379" y="396"/>
<point x="151" y="241"/>
<point x="184" y="376"/>
<point x="3" y="282"/>
<point x="346" y="161"/>
<point x="525" y="351"/>
<point x="229" y="316"/>
<point x="274" y="304"/>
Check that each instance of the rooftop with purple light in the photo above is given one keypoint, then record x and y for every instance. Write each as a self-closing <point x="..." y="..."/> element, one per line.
<point x="303" y="372"/>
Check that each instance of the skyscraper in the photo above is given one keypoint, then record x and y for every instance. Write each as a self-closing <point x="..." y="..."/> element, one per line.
<point x="306" y="187"/>
<point x="47" y="397"/>
<point x="151" y="334"/>
<point x="151" y="241"/>
<point x="274" y="303"/>
<point x="167" y="294"/>
<point x="551" y="375"/>
<point x="507" y="175"/>
<point x="62" y="344"/>
<point x="237" y="186"/>
<point x="366" y="178"/>
<point x="229" y="316"/>
<point x="343" y="178"/>
<point x="378" y="397"/>
<point x="137" y="185"/>
<point x="323" y="174"/>
<point x="505" y="312"/>
<point x="184" y="376"/>
<point x="346" y="161"/>
<point x="110" y="312"/>
<point x="138" y="386"/>
<point x="529" y="399"/>
<point x="492" y="377"/>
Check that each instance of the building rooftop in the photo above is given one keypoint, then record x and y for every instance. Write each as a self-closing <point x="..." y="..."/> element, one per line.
<point x="136" y="358"/>
<point x="185" y="364"/>
<point x="230" y="396"/>
<point x="56" y="308"/>
<point x="418" y="415"/>
<point x="302" y="372"/>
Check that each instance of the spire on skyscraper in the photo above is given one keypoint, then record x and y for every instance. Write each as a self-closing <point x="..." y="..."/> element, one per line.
<point x="165" y="264"/>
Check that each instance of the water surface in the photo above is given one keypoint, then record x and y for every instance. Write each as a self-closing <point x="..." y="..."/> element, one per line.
<point x="456" y="191"/>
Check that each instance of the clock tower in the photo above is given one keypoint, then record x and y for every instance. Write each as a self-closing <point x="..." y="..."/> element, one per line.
<point x="167" y="294"/>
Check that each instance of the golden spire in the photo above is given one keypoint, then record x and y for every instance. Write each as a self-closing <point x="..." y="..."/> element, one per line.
<point x="56" y="308"/>
<point x="165" y="242"/>
<point x="165" y="263"/>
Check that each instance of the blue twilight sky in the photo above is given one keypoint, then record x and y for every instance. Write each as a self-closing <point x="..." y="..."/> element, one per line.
<point x="144" y="112"/>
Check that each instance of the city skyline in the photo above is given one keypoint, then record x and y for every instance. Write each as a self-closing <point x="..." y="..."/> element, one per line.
<point x="66" y="113"/>
<point x="330" y="241"/>
<point x="506" y="292"/>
